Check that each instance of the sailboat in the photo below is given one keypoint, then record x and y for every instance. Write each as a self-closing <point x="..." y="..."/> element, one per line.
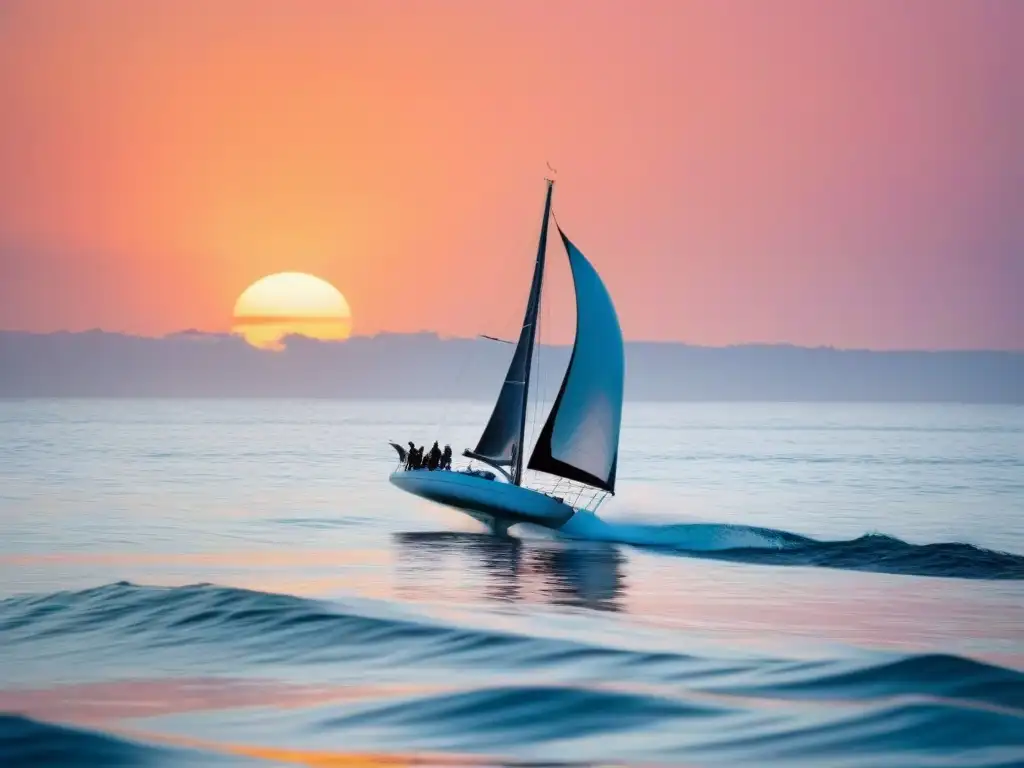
<point x="576" y="451"/>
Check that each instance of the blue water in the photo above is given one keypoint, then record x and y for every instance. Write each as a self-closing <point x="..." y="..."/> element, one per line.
<point x="235" y="583"/>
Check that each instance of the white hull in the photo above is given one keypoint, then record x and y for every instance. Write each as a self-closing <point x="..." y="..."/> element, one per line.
<point x="493" y="502"/>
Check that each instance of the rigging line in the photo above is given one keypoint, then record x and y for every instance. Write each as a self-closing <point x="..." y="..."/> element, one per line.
<point x="539" y="382"/>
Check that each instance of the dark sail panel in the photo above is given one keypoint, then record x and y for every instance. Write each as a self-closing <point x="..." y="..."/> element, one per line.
<point x="502" y="430"/>
<point x="502" y="438"/>
<point x="580" y="439"/>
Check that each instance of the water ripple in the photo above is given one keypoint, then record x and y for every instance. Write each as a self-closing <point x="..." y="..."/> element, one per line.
<point x="518" y="696"/>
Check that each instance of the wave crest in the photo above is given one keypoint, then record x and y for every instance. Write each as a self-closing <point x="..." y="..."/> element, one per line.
<point x="766" y="546"/>
<point x="27" y="743"/>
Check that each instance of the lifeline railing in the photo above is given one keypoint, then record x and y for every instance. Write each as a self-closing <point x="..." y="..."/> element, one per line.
<point x="575" y="494"/>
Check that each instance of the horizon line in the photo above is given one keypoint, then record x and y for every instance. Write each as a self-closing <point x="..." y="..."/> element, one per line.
<point x="443" y="337"/>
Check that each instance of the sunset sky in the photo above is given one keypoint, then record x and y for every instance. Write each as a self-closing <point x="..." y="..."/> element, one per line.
<point x="808" y="171"/>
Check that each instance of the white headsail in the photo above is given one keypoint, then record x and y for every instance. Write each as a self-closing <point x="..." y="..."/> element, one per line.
<point x="580" y="439"/>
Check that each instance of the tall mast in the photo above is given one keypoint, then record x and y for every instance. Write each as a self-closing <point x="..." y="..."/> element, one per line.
<point x="532" y="316"/>
<point x="501" y="443"/>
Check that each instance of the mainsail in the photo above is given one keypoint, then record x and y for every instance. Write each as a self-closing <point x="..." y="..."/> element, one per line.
<point x="501" y="443"/>
<point x="580" y="439"/>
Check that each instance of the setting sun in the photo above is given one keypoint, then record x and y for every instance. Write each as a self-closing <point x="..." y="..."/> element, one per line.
<point x="289" y="303"/>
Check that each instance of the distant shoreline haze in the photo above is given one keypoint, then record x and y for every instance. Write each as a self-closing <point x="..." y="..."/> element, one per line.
<point x="426" y="366"/>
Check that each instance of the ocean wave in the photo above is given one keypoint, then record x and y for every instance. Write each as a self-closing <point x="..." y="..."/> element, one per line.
<point x="124" y="617"/>
<point x="485" y="719"/>
<point x="925" y="734"/>
<point x="936" y="675"/>
<point x="580" y="723"/>
<point x="750" y="544"/>
<point x="520" y="696"/>
<point x="266" y="627"/>
<point x="28" y="743"/>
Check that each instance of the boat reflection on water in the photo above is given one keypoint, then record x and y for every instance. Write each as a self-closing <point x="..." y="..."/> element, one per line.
<point x="442" y="565"/>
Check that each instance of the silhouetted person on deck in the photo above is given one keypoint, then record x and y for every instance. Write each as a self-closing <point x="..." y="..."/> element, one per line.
<point x="415" y="457"/>
<point x="446" y="458"/>
<point x="435" y="457"/>
<point x="410" y="455"/>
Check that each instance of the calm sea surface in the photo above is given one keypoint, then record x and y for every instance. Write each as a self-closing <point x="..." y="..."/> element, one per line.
<point x="235" y="582"/>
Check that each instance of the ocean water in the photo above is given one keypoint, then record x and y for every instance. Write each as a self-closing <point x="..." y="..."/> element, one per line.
<point x="236" y="583"/>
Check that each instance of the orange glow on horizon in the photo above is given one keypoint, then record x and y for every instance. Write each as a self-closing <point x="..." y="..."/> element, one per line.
<point x="737" y="172"/>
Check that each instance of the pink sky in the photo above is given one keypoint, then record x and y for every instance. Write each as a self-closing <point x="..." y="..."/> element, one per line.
<point x="809" y="171"/>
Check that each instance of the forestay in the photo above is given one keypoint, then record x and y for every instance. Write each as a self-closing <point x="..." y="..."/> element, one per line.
<point x="502" y="438"/>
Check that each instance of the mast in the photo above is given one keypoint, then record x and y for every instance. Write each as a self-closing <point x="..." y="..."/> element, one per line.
<point x="532" y="315"/>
